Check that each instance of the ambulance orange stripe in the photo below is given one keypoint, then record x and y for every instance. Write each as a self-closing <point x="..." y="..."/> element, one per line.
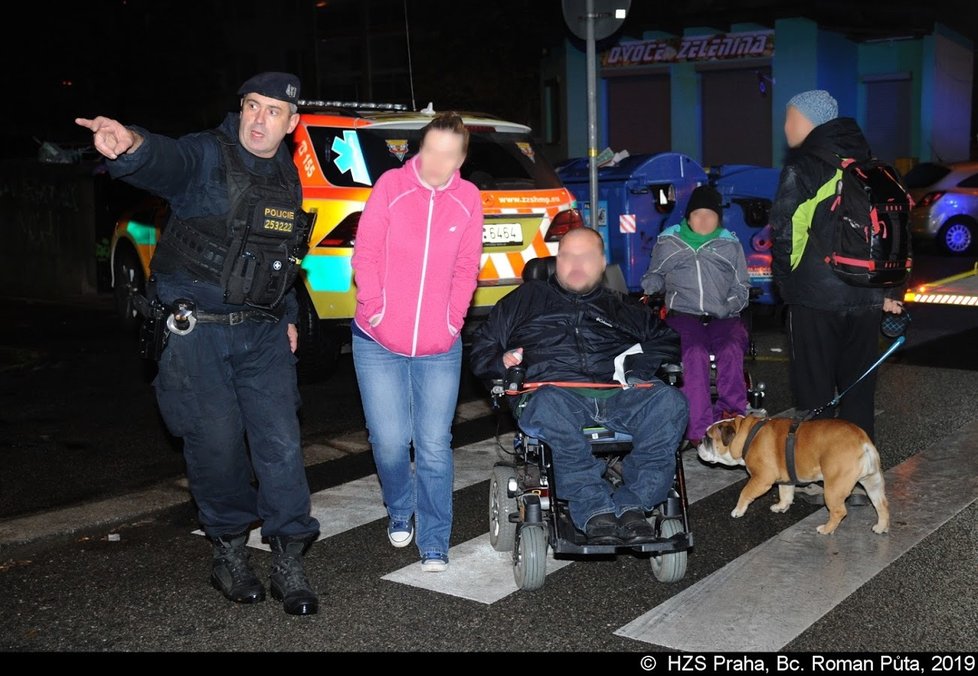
<point x="516" y="260"/>
<point x="489" y="270"/>
<point x="539" y="246"/>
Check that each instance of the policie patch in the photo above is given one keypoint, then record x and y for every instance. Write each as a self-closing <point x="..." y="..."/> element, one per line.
<point x="276" y="220"/>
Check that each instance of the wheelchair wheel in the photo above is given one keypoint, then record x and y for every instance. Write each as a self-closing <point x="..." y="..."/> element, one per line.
<point x="530" y="568"/>
<point x="669" y="567"/>
<point x="502" y="533"/>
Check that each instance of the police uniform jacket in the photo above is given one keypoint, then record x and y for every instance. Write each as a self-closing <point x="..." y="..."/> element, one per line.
<point x="188" y="173"/>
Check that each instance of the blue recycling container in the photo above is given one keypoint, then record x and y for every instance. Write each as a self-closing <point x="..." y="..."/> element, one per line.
<point x="748" y="192"/>
<point x="647" y="193"/>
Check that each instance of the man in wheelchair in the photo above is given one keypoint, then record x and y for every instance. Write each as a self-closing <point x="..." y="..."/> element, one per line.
<point x="573" y="330"/>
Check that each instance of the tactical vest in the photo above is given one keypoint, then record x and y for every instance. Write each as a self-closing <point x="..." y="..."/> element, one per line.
<point x="254" y="251"/>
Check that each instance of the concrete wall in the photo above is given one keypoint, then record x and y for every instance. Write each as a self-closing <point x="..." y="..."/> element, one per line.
<point x="577" y="130"/>
<point x="55" y="221"/>
<point x="836" y="57"/>
<point x="794" y="70"/>
<point x="946" y="96"/>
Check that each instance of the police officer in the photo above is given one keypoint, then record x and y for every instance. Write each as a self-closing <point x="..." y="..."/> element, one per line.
<point x="224" y="269"/>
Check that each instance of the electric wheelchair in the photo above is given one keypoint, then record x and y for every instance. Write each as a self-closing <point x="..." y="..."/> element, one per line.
<point x="526" y="512"/>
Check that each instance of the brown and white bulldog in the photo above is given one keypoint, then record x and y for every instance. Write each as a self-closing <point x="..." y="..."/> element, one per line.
<point x="830" y="450"/>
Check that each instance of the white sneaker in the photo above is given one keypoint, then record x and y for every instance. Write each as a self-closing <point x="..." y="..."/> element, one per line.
<point x="400" y="533"/>
<point x="434" y="562"/>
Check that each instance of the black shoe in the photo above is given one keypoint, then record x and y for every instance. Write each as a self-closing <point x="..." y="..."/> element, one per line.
<point x="634" y="528"/>
<point x="601" y="529"/>
<point x="288" y="580"/>
<point x="231" y="572"/>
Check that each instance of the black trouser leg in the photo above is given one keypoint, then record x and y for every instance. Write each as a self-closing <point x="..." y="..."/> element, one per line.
<point x="828" y="352"/>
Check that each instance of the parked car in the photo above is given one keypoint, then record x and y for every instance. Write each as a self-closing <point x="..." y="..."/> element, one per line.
<point x="946" y="205"/>
<point x="340" y="149"/>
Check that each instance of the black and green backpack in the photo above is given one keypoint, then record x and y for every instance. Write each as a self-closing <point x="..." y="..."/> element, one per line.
<point x="870" y="234"/>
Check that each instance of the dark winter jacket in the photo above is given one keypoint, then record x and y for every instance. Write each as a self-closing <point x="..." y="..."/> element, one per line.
<point x="801" y="224"/>
<point x="188" y="173"/>
<point x="570" y="337"/>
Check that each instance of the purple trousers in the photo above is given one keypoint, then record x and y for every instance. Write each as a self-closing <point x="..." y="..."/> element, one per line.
<point x="727" y="340"/>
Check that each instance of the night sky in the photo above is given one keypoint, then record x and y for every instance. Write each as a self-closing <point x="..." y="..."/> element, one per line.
<point x="173" y="65"/>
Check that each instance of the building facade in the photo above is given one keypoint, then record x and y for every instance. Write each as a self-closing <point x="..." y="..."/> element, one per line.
<point x="720" y="97"/>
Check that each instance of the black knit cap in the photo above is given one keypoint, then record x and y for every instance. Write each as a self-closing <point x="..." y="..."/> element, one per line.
<point x="705" y="197"/>
<point x="281" y="86"/>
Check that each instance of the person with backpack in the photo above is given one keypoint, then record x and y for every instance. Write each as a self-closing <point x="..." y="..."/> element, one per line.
<point x="833" y="319"/>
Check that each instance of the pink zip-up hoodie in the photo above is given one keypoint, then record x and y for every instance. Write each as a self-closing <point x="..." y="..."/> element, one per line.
<point x="416" y="260"/>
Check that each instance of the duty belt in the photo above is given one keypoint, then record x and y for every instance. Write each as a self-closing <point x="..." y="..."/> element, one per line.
<point x="235" y="318"/>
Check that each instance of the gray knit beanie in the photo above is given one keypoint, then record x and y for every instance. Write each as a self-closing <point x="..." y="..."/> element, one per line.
<point x="817" y="105"/>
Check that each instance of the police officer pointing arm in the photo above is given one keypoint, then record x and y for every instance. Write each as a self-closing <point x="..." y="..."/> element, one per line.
<point x="223" y="273"/>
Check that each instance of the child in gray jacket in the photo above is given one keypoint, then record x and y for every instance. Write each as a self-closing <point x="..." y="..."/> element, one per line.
<point x="700" y="268"/>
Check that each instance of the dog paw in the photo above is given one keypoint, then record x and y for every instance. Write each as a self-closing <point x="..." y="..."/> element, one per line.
<point x="880" y="529"/>
<point x="824" y="529"/>
<point x="737" y="513"/>
<point x="778" y="507"/>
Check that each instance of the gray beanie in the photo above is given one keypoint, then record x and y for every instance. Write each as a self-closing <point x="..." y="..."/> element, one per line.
<point x="817" y="105"/>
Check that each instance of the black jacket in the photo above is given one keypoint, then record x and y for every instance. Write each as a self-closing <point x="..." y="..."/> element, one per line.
<point x="811" y="282"/>
<point x="188" y="173"/>
<point x="571" y="337"/>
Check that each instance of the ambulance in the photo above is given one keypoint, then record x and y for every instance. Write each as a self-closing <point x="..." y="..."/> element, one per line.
<point x="340" y="150"/>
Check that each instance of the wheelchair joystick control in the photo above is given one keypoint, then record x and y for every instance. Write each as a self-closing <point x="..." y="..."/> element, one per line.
<point x="757" y="397"/>
<point x="515" y="375"/>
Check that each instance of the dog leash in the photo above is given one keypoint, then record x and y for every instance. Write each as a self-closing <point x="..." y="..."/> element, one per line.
<point x="796" y="422"/>
<point x="835" y="401"/>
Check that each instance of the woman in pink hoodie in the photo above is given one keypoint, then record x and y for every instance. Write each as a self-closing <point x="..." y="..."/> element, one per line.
<point x="416" y="262"/>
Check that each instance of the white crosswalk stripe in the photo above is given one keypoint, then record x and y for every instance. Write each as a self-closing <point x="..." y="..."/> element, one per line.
<point x="359" y="502"/>
<point x="716" y="613"/>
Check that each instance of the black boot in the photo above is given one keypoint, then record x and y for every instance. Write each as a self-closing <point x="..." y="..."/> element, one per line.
<point x="231" y="572"/>
<point x="289" y="583"/>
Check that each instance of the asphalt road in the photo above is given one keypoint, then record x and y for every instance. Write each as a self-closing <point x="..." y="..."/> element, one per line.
<point x="98" y="551"/>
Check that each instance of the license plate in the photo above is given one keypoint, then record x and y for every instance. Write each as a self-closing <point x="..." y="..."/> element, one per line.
<point x="502" y="233"/>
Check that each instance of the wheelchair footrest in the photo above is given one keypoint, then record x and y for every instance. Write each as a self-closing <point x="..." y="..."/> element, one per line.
<point x="569" y="540"/>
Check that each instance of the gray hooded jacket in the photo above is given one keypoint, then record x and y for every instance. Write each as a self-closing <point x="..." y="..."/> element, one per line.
<point x="711" y="280"/>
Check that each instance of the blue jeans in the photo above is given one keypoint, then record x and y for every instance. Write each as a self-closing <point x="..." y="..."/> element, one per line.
<point x="655" y="418"/>
<point x="412" y="400"/>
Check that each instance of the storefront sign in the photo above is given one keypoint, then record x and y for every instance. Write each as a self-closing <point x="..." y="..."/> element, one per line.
<point x="719" y="47"/>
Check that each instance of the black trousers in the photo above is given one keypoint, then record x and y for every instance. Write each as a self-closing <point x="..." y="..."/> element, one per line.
<point x="828" y="352"/>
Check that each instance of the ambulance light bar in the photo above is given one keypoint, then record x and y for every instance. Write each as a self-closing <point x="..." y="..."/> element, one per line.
<point x="352" y="105"/>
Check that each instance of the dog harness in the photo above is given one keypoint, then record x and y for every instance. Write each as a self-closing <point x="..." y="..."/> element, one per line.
<point x="789" y="449"/>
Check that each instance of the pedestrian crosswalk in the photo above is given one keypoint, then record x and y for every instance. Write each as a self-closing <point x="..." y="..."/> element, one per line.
<point x="801" y="575"/>
<point x="488" y="574"/>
